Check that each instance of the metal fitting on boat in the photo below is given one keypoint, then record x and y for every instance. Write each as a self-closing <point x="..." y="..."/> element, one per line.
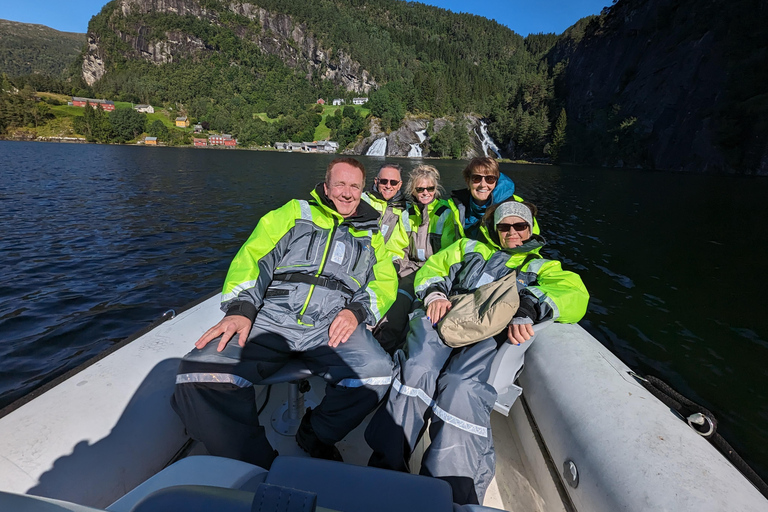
<point x="701" y="420"/>
<point x="571" y="473"/>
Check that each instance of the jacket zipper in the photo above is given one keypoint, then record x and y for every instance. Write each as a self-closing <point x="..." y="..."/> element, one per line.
<point x="319" y="272"/>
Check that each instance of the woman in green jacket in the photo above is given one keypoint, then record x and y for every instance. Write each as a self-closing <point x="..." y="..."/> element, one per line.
<point x="430" y="227"/>
<point x="449" y="385"/>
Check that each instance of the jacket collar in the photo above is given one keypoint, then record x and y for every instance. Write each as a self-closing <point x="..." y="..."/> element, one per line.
<point x="364" y="214"/>
<point x="398" y="201"/>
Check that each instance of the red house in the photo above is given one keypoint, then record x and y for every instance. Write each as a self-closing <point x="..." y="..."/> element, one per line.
<point x="321" y="101"/>
<point x="199" y="142"/>
<point x="103" y="104"/>
<point x="222" y="140"/>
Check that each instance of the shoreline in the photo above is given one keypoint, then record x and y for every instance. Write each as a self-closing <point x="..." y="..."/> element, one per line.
<point x="82" y="140"/>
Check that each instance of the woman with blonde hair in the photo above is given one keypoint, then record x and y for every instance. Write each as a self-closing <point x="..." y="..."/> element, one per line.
<point x="431" y="227"/>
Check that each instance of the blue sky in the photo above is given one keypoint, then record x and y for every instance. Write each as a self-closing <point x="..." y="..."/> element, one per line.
<point x="524" y="17"/>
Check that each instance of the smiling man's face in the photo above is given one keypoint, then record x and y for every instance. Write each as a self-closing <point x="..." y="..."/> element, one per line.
<point x="345" y="188"/>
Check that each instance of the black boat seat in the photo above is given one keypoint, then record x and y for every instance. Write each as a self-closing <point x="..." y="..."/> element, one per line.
<point x="294" y="371"/>
<point x="286" y="419"/>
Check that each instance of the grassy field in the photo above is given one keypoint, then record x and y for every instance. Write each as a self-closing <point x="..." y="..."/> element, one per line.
<point x="322" y="132"/>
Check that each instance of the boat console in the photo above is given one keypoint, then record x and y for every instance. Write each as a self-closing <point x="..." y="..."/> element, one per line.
<point x="293" y="484"/>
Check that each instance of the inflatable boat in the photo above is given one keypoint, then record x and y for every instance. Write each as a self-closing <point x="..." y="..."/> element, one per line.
<point x="585" y="435"/>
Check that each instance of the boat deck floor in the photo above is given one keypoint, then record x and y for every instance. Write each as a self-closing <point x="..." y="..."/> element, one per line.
<point x="513" y="488"/>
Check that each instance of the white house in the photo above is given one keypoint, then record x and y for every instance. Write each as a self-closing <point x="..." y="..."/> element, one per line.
<point x="146" y="109"/>
<point x="338" y="101"/>
<point x="359" y="101"/>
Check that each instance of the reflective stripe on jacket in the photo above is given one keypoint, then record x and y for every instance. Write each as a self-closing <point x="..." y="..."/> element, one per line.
<point x="312" y="238"/>
<point x="468" y="264"/>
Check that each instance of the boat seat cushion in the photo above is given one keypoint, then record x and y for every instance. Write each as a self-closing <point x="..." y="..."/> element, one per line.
<point x="195" y="470"/>
<point x="203" y="498"/>
<point x="351" y="488"/>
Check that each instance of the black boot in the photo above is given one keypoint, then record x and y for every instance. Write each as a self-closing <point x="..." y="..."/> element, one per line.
<point x="308" y="441"/>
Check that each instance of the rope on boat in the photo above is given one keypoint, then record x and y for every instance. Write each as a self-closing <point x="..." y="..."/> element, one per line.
<point x="703" y="422"/>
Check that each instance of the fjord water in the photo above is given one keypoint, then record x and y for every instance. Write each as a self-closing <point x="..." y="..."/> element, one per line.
<point x="99" y="241"/>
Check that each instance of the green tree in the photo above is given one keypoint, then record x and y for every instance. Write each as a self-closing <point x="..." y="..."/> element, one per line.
<point x="127" y="124"/>
<point x="158" y="129"/>
<point x="558" y="136"/>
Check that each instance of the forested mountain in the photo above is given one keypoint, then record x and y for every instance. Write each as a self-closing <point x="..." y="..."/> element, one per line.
<point x="27" y="49"/>
<point x="226" y="61"/>
<point x="672" y="84"/>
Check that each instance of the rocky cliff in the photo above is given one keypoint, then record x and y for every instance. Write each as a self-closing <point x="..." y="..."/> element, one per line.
<point x="274" y="34"/>
<point x="662" y="78"/>
<point x="400" y="141"/>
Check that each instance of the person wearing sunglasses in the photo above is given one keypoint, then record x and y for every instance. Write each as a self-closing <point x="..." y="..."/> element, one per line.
<point x="430" y="227"/>
<point x="387" y="198"/>
<point x="448" y="386"/>
<point x="486" y="186"/>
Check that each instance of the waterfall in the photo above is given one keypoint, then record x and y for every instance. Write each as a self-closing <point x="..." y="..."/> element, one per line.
<point x="416" y="148"/>
<point x="487" y="141"/>
<point x="378" y="148"/>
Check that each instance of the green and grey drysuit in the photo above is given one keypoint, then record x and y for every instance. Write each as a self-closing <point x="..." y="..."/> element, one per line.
<point x="302" y="265"/>
<point x="428" y="228"/>
<point x="450" y="386"/>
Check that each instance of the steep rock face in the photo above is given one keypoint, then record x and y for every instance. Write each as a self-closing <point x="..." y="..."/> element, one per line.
<point x="279" y="35"/>
<point x="660" y="62"/>
<point x="399" y="141"/>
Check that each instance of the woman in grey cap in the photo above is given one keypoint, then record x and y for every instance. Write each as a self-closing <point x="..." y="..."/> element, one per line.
<point x="449" y="385"/>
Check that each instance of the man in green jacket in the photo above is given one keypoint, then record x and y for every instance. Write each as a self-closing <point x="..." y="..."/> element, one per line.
<point x="306" y="283"/>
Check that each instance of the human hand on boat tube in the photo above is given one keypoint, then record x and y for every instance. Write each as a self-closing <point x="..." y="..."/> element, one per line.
<point x="342" y="327"/>
<point x="519" y="333"/>
<point x="437" y="309"/>
<point x="228" y="327"/>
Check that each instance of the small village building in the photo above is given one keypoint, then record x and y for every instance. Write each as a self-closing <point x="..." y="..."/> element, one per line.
<point x="144" y="109"/>
<point x="321" y="101"/>
<point x="95" y="103"/>
<point x="198" y="128"/>
<point x="199" y="142"/>
<point x="327" y="146"/>
<point x="359" y="101"/>
<point x="222" y="140"/>
<point x="150" y="141"/>
<point x="182" y="122"/>
<point x="309" y="147"/>
<point x="338" y="101"/>
<point x="289" y="146"/>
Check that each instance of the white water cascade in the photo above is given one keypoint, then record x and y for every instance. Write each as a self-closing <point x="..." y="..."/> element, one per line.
<point x="487" y="141"/>
<point x="416" y="148"/>
<point x="378" y="148"/>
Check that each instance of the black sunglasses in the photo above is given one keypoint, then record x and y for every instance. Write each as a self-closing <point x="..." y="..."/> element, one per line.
<point x="419" y="190"/>
<point x="503" y="227"/>
<point x="477" y="178"/>
<point x="385" y="181"/>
